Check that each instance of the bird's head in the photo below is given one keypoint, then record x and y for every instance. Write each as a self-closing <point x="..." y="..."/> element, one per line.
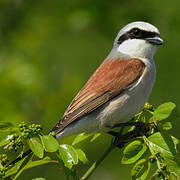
<point x="138" y="39"/>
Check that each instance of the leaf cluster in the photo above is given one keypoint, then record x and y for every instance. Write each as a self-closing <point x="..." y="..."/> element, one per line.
<point x="150" y="148"/>
<point x="154" y="147"/>
<point x="42" y="147"/>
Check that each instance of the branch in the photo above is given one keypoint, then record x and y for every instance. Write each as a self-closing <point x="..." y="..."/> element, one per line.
<point x="119" y="141"/>
<point x="98" y="162"/>
<point x="147" y="132"/>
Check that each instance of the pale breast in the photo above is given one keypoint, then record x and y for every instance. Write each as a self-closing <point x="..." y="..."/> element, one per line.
<point x="123" y="107"/>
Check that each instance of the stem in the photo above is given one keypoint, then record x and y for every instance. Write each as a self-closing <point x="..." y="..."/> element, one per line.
<point x="119" y="142"/>
<point x="64" y="168"/>
<point x="97" y="163"/>
<point x="153" y="153"/>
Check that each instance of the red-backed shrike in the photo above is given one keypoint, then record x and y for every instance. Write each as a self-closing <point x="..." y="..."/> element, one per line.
<point x="120" y="86"/>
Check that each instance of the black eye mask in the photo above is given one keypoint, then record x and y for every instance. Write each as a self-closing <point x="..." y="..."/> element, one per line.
<point x="136" y="33"/>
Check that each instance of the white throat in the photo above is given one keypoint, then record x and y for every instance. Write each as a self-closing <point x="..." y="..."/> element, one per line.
<point x="137" y="48"/>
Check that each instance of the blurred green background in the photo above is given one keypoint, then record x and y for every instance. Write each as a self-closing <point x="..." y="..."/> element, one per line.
<point x="48" y="50"/>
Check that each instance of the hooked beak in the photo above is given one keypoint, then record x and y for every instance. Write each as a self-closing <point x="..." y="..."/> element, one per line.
<point x="156" y="40"/>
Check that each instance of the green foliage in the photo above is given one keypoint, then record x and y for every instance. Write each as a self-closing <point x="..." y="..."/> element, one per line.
<point x="143" y="146"/>
<point x="81" y="137"/>
<point x="29" y="164"/>
<point x="167" y="126"/>
<point x="36" y="146"/>
<point x="141" y="169"/>
<point x="82" y="156"/>
<point x="69" y="155"/>
<point x="162" y="112"/>
<point x="50" y="143"/>
<point x="162" y="147"/>
<point x="4" y="142"/>
<point x="133" y="151"/>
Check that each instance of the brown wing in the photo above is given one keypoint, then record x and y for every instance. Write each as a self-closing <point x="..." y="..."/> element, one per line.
<point x="109" y="80"/>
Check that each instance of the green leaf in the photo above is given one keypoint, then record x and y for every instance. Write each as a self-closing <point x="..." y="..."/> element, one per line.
<point x="167" y="126"/>
<point x="140" y="170"/>
<point x="173" y="165"/>
<point x="166" y="145"/>
<point x="163" y="111"/>
<point x="82" y="156"/>
<point x="154" y="176"/>
<point x="45" y="160"/>
<point x="39" y="178"/>
<point x="15" y="168"/>
<point x="1" y="166"/>
<point x="36" y="146"/>
<point x="80" y="137"/>
<point x="31" y="164"/>
<point x="50" y="143"/>
<point x="69" y="155"/>
<point x="173" y="176"/>
<point x="21" y="169"/>
<point x="4" y="142"/>
<point x="95" y="136"/>
<point x="133" y="151"/>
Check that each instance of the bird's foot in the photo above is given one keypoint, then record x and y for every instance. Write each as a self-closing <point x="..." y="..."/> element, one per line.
<point x="136" y="124"/>
<point x="121" y="139"/>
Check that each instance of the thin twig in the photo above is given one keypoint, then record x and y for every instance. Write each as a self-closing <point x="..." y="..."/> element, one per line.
<point x="119" y="142"/>
<point x="98" y="162"/>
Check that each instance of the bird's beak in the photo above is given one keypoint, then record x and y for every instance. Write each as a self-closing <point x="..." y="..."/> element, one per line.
<point x="156" y="40"/>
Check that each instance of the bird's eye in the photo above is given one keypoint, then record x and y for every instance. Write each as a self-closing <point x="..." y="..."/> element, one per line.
<point x="136" y="32"/>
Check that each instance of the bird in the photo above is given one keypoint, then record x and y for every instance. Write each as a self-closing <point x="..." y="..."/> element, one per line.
<point x="118" y="89"/>
<point x="120" y="86"/>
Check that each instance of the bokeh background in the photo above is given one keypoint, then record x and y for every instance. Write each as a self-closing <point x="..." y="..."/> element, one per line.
<point x="48" y="49"/>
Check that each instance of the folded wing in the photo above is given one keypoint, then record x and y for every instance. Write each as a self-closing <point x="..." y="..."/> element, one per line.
<point x="109" y="80"/>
